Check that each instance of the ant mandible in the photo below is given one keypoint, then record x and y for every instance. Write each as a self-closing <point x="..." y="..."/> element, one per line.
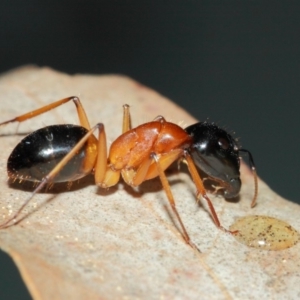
<point x="64" y="153"/>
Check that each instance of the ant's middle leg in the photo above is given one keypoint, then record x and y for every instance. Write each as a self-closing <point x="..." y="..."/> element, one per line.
<point x="152" y="167"/>
<point x="167" y="189"/>
<point x="80" y="111"/>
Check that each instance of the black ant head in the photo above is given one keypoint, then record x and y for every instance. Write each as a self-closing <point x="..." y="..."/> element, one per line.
<point x="216" y="153"/>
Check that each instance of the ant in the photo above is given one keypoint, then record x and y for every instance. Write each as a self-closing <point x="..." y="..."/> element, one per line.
<point x="65" y="153"/>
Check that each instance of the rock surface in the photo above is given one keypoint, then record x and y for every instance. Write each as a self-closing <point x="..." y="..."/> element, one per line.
<point x="88" y="243"/>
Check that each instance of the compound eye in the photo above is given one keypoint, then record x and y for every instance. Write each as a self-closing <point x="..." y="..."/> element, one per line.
<point x="223" y="143"/>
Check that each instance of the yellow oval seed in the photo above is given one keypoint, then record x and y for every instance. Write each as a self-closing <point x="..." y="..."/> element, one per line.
<point x="265" y="232"/>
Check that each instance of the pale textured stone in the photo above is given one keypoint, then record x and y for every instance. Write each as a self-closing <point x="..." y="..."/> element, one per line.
<point x="87" y="243"/>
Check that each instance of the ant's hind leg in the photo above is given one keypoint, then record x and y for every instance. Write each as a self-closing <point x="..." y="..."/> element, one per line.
<point x="89" y="163"/>
<point x="80" y="111"/>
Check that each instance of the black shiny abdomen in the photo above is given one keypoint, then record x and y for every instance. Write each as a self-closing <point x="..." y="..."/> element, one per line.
<point x="215" y="152"/>
<point x="39" y="152"/>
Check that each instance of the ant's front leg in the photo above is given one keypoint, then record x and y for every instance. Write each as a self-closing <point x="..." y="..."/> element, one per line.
<point x="201" y="191"/>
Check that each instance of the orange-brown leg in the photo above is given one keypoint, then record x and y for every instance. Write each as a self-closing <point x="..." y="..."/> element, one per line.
<point x="135" y="178"/>
<point x="126" y="118"/>
<point x="167" y="189"/>
<point x="201" y="191"/>
<point x="49" y="178"/>
<point x="165" y="160"/>
<point x="152" y="167"/>
<point x="80" y="111"/>
<point x="104" y="175"/>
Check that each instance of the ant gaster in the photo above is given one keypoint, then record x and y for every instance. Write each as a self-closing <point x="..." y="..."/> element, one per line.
<point x="64" y="153"/>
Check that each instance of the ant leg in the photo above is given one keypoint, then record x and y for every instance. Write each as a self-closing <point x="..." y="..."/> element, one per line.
<point x="148" y="168"/>
<point x="201" y="191"/>
<point x="126" y="118"/>
<point x="104" y="175"/>
<point x="80" y="111"/>
<point x="167" y="189"/>
<point x="49" y="178"/>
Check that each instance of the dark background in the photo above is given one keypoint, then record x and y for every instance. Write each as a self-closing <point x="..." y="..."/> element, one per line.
<point x="236" y="62"/>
